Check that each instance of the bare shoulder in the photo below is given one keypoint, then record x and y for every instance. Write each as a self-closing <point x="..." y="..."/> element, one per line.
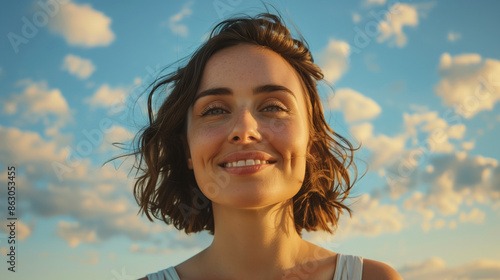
<point x="374" y="270"/>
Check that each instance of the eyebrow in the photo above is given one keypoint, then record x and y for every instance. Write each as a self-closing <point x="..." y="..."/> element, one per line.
<point x="226" y="91"/>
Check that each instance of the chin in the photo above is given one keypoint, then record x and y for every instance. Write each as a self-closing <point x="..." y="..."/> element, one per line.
<point x="252" y="197"/>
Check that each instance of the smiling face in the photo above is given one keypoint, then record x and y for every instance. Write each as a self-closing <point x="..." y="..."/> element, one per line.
<point x="247" y="130"/>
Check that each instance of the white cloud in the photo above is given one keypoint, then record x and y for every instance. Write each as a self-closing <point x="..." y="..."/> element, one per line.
<point x="385" y="150"/>
<point x="438" y="131"/>
<point x="30" y="150"/>
<point x="174" y="21"/>
<point x="370" y="218"/>
<point x="468" y="145"/>
<point x="354" y="105"/>
<point x="454" y="36"/>
<point x="469" y="83"/>
<point x="334" y="60"/>
<point x="81" y="25"/>
<point x="456" y="179"/>
<point x="38" y="103"/>
<point x="99" y="199"/>
<point x="435" y="268"/>
<point x="37" y="100"/>
<point x="391" y="28"/>
<point x="80" y="67"/>
<point x="106" y="97"/>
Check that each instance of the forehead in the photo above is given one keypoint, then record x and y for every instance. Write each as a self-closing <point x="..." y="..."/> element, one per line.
<point x="245" y="65"/>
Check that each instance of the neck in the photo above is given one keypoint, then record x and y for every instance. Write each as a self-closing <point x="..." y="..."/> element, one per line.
<point x="252" y="242"/>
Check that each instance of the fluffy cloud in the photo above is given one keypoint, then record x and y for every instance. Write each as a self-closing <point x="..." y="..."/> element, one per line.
<point x="37" y="102"/>
<point x="469" y="83"/>
<point x="454" y="180"/>
<point x="391" y="28"/>
<point x="369" y="218"/>
<point x="435" y="268"/>
<point x="174" y="21"/>
<point x="438" y="131"/>
<point x="106" y="96"/>
<point x="334" y="60"/>
<point x="81" y="25"/>
<point x="354" y="105"/>
<point x="80" y="67"/>
<point x="26" y="146"/>
<point x="98" y="199"/>
<point x="384" y="149"/>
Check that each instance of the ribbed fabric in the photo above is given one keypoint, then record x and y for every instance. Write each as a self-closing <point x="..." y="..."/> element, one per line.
<point x="166" y="274"/>
<point x="348" y="268"/>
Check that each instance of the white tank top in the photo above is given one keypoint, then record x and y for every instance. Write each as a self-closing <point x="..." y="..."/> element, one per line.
<point x="348" y="268"/>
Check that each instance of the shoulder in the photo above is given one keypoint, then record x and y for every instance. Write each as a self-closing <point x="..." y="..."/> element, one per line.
<point x="143" y="278"/>
<point x="373" y="270"/>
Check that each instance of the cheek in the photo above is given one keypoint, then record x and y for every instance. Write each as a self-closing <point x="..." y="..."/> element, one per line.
<point x="204" y="142"/>
<point x="290" y="138"/>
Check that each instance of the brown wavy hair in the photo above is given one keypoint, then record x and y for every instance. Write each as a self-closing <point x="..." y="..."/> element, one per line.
<point x="167" y="189"/>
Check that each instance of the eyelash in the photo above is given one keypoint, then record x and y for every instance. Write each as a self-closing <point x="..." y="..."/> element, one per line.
<point x="211" y="108"/>
<point x="214" y="107"/>
<point x="281" y="107"/>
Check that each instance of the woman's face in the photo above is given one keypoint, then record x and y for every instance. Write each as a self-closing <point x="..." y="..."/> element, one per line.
<point x="247" y="129"/>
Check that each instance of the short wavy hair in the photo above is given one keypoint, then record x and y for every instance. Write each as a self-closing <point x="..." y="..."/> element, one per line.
<point x="167" y="190"/>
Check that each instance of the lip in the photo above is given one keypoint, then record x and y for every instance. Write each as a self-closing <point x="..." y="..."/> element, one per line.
<point x="244" y="155"/>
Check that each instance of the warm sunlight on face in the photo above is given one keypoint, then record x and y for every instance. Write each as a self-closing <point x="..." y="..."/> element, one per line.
<point x="247" y="130"/>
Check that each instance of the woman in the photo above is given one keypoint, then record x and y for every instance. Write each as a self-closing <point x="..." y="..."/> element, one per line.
<point x="240" y="148"/>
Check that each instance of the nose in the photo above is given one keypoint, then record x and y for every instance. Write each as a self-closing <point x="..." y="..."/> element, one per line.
<point x="245" y="129"/>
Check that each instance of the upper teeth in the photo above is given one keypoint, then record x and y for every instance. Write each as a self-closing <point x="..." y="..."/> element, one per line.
<point x="245" y="163"/>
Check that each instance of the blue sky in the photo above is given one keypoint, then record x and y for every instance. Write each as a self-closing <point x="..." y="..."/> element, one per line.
<point x="416" y="82"/>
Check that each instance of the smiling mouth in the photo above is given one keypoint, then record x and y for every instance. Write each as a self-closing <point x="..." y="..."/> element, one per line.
<point x="248" y="162"/>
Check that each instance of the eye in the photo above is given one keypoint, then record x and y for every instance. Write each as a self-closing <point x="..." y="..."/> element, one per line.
<point x="275" y="107"/>
<point x="214" y="110"/>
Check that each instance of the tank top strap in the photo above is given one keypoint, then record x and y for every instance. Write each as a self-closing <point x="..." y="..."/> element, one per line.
<point x="165" y="274"/>
<point x="348" y="267"/>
